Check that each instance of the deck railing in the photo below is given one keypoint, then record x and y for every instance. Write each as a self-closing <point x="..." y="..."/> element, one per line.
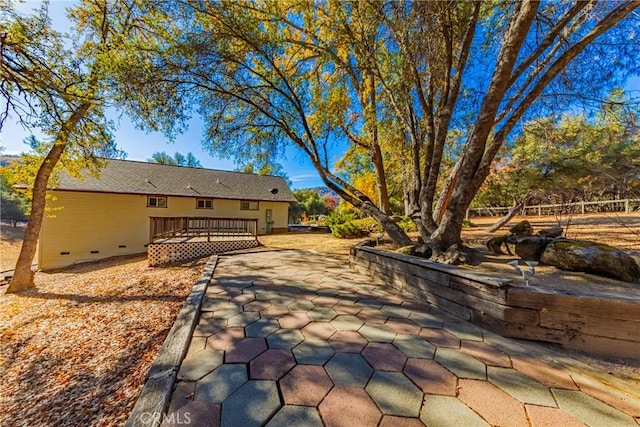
<point x="201" y="227"/>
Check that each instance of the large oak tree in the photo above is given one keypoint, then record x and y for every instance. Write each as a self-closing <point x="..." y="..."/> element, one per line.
<point x="325" y="75"/>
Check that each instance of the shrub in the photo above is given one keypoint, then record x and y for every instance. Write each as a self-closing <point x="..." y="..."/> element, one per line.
<point x="368" y="224"/>
<point x="407" y="224"/>
<point x="343" y="225"/>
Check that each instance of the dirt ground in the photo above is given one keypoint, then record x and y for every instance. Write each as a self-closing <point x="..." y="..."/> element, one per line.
<point x="615" y="229"/>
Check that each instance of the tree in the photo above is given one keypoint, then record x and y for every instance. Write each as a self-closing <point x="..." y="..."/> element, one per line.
<point x="571" y="158"/>
<point x="309" y="203"/>
<point x="177" y="159"/>
<point x="13" y="206"/>
<point x="58" y="88"/>
<point x="319" y="75"/>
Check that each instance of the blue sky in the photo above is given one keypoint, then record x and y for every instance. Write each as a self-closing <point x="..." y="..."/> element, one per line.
<point x="140" y="145"/>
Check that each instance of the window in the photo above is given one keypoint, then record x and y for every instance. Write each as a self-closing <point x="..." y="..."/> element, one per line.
<point x="204" y="204"/>
<point x="249" y="205"/>
<point x="157" y="202"/>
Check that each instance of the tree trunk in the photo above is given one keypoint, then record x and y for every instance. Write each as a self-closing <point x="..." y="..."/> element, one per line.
<point x="467" y="181"/>
<point x="512" y="212"/>
<point x="393" y="230"/>
<point x="23" y="275"/>
<point x="376" y="152"/>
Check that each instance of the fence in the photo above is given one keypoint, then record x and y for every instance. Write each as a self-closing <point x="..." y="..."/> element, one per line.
<point x="622" y="205"/>
<point x="201" y="227"/>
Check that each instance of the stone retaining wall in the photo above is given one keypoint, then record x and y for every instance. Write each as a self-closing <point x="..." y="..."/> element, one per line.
<point x="164" y="253"/>
<point x="604" y="324"/>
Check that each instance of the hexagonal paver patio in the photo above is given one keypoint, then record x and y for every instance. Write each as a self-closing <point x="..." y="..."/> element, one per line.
<point x="294" y="338"/>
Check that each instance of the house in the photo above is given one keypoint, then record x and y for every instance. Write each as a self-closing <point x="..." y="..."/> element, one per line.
<point x="127" y="208"/>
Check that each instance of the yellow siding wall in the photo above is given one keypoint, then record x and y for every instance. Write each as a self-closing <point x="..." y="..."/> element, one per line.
<point x="79" y="223"/>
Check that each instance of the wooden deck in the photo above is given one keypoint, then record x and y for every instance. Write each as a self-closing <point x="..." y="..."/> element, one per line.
<point x="201" y="229"/>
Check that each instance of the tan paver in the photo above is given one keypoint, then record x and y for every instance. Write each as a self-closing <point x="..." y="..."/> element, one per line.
<point x="494" y="405"/>
<point x="543" y="416"/>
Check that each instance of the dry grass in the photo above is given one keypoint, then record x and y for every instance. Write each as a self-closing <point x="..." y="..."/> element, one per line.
<point x="323" y="243"/>
<point x="76" y="351"/>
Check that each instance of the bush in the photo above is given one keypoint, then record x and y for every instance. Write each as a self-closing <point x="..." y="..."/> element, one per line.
<point x="368" y="224"/>
<point x="407" y="224"/>
<point x="343" y="225"/>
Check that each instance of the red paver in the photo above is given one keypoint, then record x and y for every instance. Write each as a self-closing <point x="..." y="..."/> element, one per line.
<point x="245" y="350"/>
<point x="225" y="340"/>
<point x="348" y="406"/>
<point x="543" y="373"/>
<point x="485" y="353"/>
<point x="373" y="316"/>
<point x="347" y="309"/>
<point x="274" y="312"/>
<point x="318" y="330"/>
<point x="325" y="301"/>
<point x="347" y="342"/>
<point x="305" y="385"/>
<point x="493" y="404"/>
<point x="543" y="416"/>
<point x="294" y="321"/>
<point x="440" y="338"/>
<point x="271" y="365"/>
<point x="392" y="421"/>
<point x="431" y="376"/>
<point x="403" y="326"/>
<point x="384" y="357"/>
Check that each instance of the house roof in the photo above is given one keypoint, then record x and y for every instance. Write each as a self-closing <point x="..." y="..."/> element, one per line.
<point x="131" y="177"/>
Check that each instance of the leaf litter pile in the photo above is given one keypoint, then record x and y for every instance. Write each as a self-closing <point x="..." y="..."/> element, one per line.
<point x="76" y="350"/>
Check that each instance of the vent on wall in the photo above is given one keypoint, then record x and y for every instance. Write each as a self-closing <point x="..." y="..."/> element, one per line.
<point x="65" y="253"/>
<point x="95" y="252"/>
<point x="122" y="246"/>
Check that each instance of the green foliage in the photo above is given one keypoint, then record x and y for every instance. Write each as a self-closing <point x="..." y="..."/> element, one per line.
<point x="407" y="224"/>
<point x="177" y="159"/>
<point x="369" y="225"/>
<point x="309" y="203"/>
<point x="13" y="205"/>
<point x="344" y="225"/>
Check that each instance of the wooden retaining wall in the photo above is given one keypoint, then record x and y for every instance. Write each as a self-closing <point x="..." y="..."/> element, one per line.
<point x="604" y="324"/>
